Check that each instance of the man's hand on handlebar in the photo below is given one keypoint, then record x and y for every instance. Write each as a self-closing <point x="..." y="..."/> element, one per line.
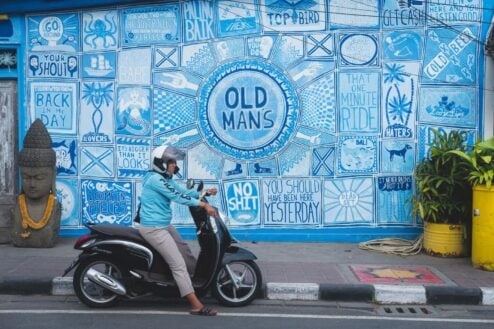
<point x="211" y="191"/>
<point x="210" y="210"/>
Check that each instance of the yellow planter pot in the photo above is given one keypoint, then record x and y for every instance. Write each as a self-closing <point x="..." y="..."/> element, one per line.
<point x="483" y="228"/>
<point x="444" y="240"/>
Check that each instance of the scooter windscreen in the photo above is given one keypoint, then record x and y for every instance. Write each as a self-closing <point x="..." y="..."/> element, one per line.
<point x="224" y="222"/>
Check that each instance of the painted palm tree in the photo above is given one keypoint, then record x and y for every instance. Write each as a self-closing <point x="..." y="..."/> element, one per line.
<point x="395" y="72"/>
<point x="398" y="106"/>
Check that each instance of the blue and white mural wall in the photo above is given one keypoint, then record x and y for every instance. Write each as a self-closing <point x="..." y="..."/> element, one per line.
<point x="306" y="114"/>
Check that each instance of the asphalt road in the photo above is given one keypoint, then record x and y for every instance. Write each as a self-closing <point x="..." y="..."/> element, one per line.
<point x="30" y="312"/>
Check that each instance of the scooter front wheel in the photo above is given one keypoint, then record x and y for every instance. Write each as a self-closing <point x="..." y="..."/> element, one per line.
<point x="237" y="283"/>
<point x="86" y="287"/>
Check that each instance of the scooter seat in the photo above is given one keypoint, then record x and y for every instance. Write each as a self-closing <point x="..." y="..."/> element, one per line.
<point x="118" y="231"/>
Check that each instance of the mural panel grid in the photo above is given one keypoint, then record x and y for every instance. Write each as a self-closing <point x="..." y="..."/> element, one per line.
<point x="304" y="114"/>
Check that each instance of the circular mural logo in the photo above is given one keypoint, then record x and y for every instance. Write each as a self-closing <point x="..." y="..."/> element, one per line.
<point x="248" y="109"/>
<point x="358" y="49"/>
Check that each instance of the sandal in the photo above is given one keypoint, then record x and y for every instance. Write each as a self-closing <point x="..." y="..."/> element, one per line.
<point x="206" y="311"/>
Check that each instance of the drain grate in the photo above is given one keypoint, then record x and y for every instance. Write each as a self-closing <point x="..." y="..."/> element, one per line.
<point x="405" y="310"/>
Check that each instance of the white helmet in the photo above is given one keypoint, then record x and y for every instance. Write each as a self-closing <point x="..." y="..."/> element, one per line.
<point x="162" y="155"/>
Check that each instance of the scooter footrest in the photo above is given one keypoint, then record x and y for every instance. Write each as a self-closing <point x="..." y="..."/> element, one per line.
<point x="165" y="283"/>
<point x="198" y="282"/>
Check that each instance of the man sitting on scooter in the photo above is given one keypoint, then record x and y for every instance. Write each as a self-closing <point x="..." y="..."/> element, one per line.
<point x="159" y="190"/>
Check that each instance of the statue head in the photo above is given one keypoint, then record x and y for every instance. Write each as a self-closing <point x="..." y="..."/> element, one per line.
<point x="37" y="162"/>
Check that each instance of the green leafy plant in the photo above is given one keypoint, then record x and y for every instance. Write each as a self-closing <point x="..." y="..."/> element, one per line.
<point x="443" y="193"/>
<point x="480" y="162"/>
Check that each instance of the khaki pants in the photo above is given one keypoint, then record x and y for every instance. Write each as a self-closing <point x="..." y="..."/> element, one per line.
<point x="176" y="253"/>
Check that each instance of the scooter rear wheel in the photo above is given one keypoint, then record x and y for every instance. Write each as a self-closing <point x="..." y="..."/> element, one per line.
<point x="237" y="283"/>
<point x="90" y="293"/>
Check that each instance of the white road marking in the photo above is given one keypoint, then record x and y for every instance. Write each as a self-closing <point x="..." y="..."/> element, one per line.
<point x="250" y="315"/>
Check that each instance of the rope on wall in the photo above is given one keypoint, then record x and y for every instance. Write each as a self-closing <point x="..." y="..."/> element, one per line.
<point x="394" y="246"/>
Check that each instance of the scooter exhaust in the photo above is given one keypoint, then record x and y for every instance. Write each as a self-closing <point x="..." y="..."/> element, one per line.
<point x="106" y="282"/>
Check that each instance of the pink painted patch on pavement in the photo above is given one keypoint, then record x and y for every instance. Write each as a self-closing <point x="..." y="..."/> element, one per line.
<point x="395" y="274"/>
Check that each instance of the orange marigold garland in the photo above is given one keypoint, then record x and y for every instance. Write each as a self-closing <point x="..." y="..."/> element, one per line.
<point x="28" y="222"/>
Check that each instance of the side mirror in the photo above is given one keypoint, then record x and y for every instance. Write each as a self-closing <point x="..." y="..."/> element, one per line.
<point x="200" y="187"/>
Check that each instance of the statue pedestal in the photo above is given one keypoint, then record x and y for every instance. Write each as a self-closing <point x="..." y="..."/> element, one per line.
<point x="45" y="237"/>
<point x="6" y="221"/>
<point x="4" y="235"/>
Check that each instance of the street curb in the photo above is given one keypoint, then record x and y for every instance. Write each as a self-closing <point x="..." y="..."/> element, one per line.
<point x="369" y="293"/>
<point x="292" y="291"/>
<point x="25" y="286"/>
<point x="487" y="296"/>
<point x="62" y="286"/>
<point x="449" y="295"/>
<point x="347" y="292"/>
<point x="399" y="294"/>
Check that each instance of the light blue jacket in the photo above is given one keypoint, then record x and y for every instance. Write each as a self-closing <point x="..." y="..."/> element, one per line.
<point x="157" y="194"/>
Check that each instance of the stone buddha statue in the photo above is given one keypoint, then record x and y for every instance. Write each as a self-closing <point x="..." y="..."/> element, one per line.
<point x="36" y="216"/>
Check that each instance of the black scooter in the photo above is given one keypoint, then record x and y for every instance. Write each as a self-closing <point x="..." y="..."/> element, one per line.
<point x="116" y="263"/>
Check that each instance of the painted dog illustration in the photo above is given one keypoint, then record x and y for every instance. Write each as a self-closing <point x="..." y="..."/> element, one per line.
<point x="400" y="153"/>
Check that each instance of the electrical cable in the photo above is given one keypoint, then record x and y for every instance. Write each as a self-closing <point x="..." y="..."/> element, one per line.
<point x="394" y="246"/>
<point x="442" y="23"/>
<point x="418" y="76"/>
<point x="350" y="11"/>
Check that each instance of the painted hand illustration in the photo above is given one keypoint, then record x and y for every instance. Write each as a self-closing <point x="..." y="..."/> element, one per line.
<point x="309" y="72"/>
<point x="177" y="80"/>
<point x="312" y="139"/>
<point x="173" y="139"/>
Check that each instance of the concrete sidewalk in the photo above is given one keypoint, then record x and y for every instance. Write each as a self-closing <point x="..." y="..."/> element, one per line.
<point x="305" y="271"/>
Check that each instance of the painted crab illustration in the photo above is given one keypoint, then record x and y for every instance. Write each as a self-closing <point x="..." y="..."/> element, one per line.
<point x="99" y="30"/>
